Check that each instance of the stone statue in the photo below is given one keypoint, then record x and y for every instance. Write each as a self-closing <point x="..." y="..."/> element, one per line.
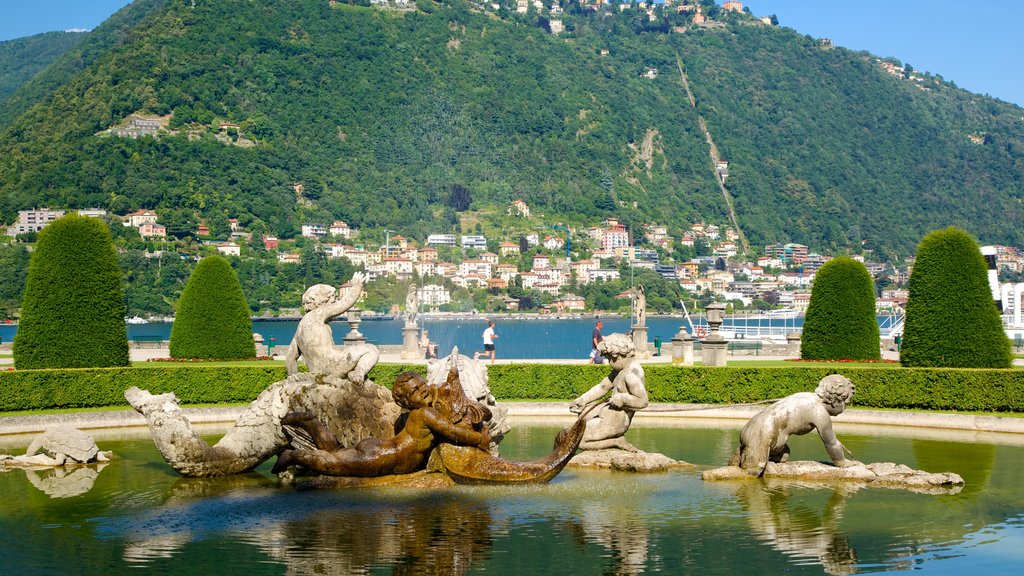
<point x="763" y="439"/>
<point x="629" y="394"/>
<point x="314" y="340"/>
<point x="474" y="380"/>
<point x="58" y="446"/>
<point x="434" y="417"/>
<point x="412" y="305"/>
<point x="639" y="306"/>
<point x="335" y="390"/>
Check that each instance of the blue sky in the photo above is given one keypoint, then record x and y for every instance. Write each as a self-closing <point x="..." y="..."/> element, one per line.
<point x="977" y="45"/>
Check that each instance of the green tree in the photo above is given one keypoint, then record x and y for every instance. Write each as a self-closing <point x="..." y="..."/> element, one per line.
<point x="72" y="313"/>
<point x="840" y="323"/>
<point x="952" y="319"/>
<point x="212" y="320"/>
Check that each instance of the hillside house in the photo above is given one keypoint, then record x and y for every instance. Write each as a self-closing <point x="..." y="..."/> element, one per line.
<point x="202" y="230"/>
<point x="151" y="230"/>
<point x="508" y="249"/>
<point x="532" y="238"/>
<point x="570" y="303"/>
<point x="471" y="267"/>
<point x="137" y="126"/>
<point x="313" y="230"/>
<point x="229" y="249"/>
<point x="506" y="271"/>
<point x="427" y="254"/>
<point x="340" y="228"/>
<point x="582" y="269"/>
<point x="140" y="217"/>
<point x="433" y="295"/>
<point x="474" y="241"/>
<point x="289" y="258"/>
<point x="271" y="242"/>
<point x="441" y="240"/>
<point x="553" y="243"/>
<point x="425" y="268"/>
<point x="490" y="257"/>
<point x="33" y="220"/>
<point x="541" y="262"/>
<point x="518" y="208"/>
<point x="732" y="6"/>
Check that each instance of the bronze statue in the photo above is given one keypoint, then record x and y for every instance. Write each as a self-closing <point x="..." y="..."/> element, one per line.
<point x="436" y="414"/>
<point x="764" y="437"/>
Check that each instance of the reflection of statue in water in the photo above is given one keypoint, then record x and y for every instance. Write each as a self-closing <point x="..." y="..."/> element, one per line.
<point x="639" y="306"/>
<point x="335" y="390"/>
<point x="412" y="305"/>
<point x="629" y="394"/>
<point x="434" y="417"/>
<point x="314" y="340"/>
<point x="801" y="533"/>
<point x="764" y="437"/>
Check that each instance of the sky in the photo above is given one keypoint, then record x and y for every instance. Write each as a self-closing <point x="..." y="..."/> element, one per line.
<point x="977" y="45"/>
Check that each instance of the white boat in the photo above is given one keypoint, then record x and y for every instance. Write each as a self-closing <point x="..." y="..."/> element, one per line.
<point x="782" y="313"/>
<point x="136" y="320"/>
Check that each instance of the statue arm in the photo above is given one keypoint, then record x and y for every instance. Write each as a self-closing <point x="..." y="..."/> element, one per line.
<point x="599" y="390"/>
<point x="291" y="359"/>
<point x="823" y="422"/>
<point x="348" y="300"/>
<point x="455" y="433"/>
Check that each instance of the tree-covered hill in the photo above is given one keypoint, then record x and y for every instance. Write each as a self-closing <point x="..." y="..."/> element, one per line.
<point x="23" y="58"/>
<point x="380" y="114"/>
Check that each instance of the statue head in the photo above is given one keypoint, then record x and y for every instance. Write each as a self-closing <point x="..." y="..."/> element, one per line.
<point x="317" y="295"/>
<point x="835" y="391"/>
<point x="411" y="391"/>
<point x="616" y="346"/>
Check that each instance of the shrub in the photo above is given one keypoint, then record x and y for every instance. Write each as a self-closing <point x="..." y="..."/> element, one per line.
<point x="883" y="387"/>
<point x="952" y="319"/>
<point x="212" y="318"/>
<point x="841" y="322"/>
<point x="72" y="312"/>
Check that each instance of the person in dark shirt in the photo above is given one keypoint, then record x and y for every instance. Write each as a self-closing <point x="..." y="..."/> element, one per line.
<point x="595" y="338"/>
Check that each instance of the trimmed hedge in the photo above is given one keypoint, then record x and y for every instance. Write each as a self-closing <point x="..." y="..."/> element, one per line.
<point x="952" y="319"/>
<point x="212" y="320"/>
<point x="948" y="389"/>
<point x="841" y="322"/>
<point x="72" y="313"/>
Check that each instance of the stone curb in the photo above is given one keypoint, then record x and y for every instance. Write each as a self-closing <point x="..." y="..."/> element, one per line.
<point x="948" y="421"/>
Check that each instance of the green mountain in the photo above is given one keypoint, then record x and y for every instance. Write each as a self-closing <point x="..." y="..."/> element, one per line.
<point x="394" y="118"/>
<point x="23" y="58"/>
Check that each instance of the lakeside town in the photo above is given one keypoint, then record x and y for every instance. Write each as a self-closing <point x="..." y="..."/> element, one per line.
<point x="704" y="260"/>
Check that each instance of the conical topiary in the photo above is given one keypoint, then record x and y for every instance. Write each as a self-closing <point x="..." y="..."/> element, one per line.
<point x="841" y="322"/>
<point x="212" y="319"/>
<point x="952" y="318"/>
<point x="72" y="312"/>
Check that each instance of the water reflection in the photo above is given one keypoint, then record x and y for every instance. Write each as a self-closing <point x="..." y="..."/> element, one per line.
<point x="790" y="526"/>
<point x="615" y="528"/>
<point x="64" y="481"/>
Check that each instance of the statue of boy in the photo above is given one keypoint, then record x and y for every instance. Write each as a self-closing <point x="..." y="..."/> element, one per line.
<point x="763" y="439"/>
<point x="629" y="394"/>
<point x="314" y="341"/>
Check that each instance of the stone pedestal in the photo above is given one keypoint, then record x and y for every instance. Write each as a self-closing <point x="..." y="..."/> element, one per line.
<point x="354" y="336"/>
<point x="643" y="349"/>
<point x="793" y="344"/>
<point x="410" y="342"/>
<point x="682" y="348"/>
<point x="714" y="351"/>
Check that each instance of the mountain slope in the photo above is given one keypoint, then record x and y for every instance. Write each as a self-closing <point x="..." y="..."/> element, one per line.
<point x="378" y="114"/>
<point x="23" y="58"/>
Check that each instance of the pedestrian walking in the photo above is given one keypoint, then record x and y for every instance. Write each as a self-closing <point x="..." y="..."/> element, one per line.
<point x="595" y="338"/>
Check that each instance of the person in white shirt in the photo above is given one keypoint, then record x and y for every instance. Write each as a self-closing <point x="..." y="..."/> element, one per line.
<point x="489" y="337"/>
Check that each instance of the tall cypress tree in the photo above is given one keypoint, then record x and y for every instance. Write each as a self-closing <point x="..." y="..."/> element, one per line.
<point x="841" y="322"/>
<point x="212" y="320"/>
<point x="952" y="318"/>
<point x="72" y="312"/>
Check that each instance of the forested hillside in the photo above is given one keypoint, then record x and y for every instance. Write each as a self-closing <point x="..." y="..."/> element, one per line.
<point x="23" y="58"/>
<point x="380" y="114"/>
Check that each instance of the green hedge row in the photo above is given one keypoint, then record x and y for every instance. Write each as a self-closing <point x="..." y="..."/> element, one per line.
<point x="949" y="389"/>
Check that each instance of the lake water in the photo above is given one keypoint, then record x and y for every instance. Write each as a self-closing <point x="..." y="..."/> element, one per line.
<point x="138" y="514"/>
<point x="540" y="337"/>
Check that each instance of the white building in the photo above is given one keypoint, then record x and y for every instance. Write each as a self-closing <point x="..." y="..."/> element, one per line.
<point x="33" y="220"/>
<point x="474" y="241"/>
<point x="229" y="249"/>
<point x="441" y="240"/>
<point x="434" y="295"/>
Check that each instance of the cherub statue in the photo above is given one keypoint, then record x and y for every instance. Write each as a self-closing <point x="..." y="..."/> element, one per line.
<point x="436" y="414"/>
<point x="314" y="340"/>
<point x="629" y="394"/>
<point x="763" y="438"/>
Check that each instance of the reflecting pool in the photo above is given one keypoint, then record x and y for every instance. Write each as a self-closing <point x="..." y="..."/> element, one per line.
<point x="136" y="513"/>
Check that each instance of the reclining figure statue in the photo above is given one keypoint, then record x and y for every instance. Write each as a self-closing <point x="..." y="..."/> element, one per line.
<point x="335" y="390"/>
